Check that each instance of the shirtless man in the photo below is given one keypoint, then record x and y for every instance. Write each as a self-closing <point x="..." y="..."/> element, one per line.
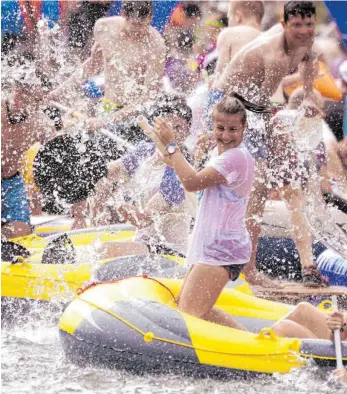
<point x="132" y="55"/>
<point x="244" y="21"/>
<point x="22" y="125"/>
<point x="256" y="72"/>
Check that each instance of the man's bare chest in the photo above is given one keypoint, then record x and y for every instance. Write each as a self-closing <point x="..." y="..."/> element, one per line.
<point x="119" y="52"/>
<point x="281" y="66"/>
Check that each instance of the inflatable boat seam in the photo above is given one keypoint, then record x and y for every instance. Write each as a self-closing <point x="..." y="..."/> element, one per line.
<point x="309" y="355"/>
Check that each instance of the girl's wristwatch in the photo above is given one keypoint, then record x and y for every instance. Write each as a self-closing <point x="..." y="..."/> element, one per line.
<point x="171" y="148"/>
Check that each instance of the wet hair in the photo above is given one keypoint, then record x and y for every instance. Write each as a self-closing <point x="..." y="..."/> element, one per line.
<point x="185" y="40"/>
<point x="211" y="67"/>
<point x="81" y="23"/>
<point x="302" y="8"/>
<point x="250" y="9"/>
<point x="171" y="105"/>
<point x="137" y="9"/>
<point x="191" y="10"/>
<point x="236" y="104"/>
<point x="224" y="20"/>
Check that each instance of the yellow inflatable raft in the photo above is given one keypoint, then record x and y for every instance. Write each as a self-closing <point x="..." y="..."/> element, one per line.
<point x="134" y="324"/>
<point x="30" y="279"/>
<point x="34" y="280"/>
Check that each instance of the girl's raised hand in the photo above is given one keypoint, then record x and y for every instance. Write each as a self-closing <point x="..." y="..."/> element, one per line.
<point x="164" y="132"/>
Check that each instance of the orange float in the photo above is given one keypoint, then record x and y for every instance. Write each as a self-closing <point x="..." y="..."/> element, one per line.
<point x="324" y="83"/>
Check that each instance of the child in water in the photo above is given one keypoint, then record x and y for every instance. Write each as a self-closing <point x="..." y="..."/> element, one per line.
<point x="221" y="245"/>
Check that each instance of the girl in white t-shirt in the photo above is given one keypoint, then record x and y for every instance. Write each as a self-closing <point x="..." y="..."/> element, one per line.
<point x="220" y="245"/>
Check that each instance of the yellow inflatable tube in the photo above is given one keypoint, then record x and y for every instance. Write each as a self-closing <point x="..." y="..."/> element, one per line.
<point x="33" y="280"/>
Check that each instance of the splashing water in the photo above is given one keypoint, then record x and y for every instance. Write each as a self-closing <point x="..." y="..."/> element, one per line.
<point x="33" y="362"/>
<point x="305" y="133"/>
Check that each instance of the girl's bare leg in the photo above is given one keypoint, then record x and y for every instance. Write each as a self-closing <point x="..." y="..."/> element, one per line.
<point x="307" y="317"/>
<point x="290" y="329"/>
<point x="200" y="292"/>
<point x="255" y="212"/>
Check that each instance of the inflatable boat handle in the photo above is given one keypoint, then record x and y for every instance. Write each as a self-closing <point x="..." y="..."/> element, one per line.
<point x="337" y="337"/>
<point x="326" y="306"/>
<point x="267" y="333"/>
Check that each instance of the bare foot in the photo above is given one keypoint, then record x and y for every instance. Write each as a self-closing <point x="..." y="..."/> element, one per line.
<point x="256" y="278"/>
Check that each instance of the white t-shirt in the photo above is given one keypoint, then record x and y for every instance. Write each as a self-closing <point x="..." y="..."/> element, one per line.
<point x="220" y="236"/>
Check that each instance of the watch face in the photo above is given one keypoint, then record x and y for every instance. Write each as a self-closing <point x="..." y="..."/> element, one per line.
<point x="171" y="149"/>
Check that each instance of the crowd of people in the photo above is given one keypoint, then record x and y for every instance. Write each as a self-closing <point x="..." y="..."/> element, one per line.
<point x="214" y="87"/>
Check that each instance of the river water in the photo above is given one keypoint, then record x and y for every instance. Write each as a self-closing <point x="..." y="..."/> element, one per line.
<point x="33" y="362"/>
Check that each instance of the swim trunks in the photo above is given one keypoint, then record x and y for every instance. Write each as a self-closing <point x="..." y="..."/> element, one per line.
<point x="234" y="271"/>
<point x="111" y="106"/>
<point x="15" y="207"/>
<point x="255" y="134"/>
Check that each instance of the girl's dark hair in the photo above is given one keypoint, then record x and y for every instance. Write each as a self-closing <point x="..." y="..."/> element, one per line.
<point x="302" y="8"/>
<point x="236" y="104"/>
<point x="191" y="10"/>
<point x="137" y="9"/>
<point x="168" y="104"/>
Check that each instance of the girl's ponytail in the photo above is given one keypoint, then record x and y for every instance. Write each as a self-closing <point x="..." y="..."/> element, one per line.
<point x="259" y="109"/>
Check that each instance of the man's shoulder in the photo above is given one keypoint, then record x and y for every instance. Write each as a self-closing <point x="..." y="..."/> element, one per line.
<point x="155" y="35"/>
<point x="109" y="21"/>
<point x="260" y="46"/>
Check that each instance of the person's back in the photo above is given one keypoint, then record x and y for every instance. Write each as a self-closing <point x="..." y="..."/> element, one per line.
<point x="244" y="22"/>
